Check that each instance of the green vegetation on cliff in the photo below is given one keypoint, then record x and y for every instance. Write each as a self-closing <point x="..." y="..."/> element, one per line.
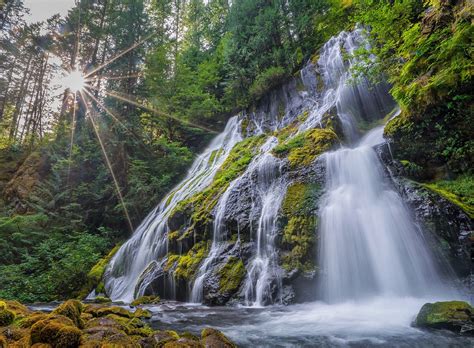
<point x="299" y="233"/>
<point x="304" y="148"/>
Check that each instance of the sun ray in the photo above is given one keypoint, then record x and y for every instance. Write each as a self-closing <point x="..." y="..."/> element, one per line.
<point x="91" y="79"/>
<point x="105" y="109"/>
<point x="107" y="161"/>
<point x="73" y="126"/>
<point x="128" y="99"/>
<point x="121" y="54"/>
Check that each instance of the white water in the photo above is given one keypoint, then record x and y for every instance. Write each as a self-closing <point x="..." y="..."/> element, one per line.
<point x="369" y="244"/>
<point x="149" y="242"/>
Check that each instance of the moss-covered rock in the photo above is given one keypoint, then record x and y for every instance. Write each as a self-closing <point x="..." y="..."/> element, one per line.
<point x="144" y="300"/>
<point x="304" y="148"/>
<point x="3" y="342"/>
<point x="142" y="314"/>
<point x="199" y="206"/>
<point x="185" y="266"/>
<point x="459" y="192"/>
<point x="94" y="277"/>
<point x="231" y="276"/>
<point x="71" y="309"/>
<point x="450" y="315"/>
<point x="212" y="338"/>
<point x="56" y="330"/>
<point x="300" y="221"/>
<point x="102" y="299"/>
<point x="6" y="317"/>
<point x="119" y="311"/>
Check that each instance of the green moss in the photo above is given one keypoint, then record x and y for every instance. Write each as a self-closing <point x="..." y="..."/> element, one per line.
<point x="304" y="148"/>
<point x="94" y="277"/>
<point x="6" y="317"/>
<point x="119" y="311"/>
<point x="145" y="300"/>
<point x="239" y="158"/>
<point x="459" y="192"/>
<point x="56" y="331"/>
<point x="298" y="241"/>
<point x="301" y="198"/>
<point x="132" y="326"/>
<point x="300" y="226"/>
<point x="185" y="266"/>
<point x="450" y="314"/>
<point x="102" y="299"/>
<point x="215" y="338"/>
<point x="71" y="309"/>
<point x="231" y="275"/>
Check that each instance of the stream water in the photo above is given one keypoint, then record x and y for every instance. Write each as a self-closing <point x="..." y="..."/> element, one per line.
<point x="378" y="322"/>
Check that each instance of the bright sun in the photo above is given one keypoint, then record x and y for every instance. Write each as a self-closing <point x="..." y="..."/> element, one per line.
<point x="75" y="81"/>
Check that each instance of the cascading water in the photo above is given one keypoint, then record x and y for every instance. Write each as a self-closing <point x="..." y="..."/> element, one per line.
<point x="369" y="243"/>
<point x="149" y="242"/>
<point x="370" y="246"/>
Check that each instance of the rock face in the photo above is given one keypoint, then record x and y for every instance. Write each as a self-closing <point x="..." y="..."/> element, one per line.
<point x="74" y="324"/>
<point x="455" y="316"/>
<point x="448" y="229"/>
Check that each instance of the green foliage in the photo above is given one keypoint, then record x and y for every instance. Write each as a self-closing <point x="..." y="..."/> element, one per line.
<point x="56" y="268"/>
<point x="265" y="81"/>
<point x="425" y="49"/>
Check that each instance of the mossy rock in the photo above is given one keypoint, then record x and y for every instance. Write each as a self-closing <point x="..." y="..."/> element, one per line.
<point x="58" y="331"/>
<point x="142" y="313"/>
<point x="302" y="149"/>
<point x="212" y="338"/>
<point x="32" y="319"/>
<point x="6" y="317"/>
<point x="300" y="223"/>
<point x="119" y="311"/>
<point x="200" y="205"/>
<point x="231" y="276"/>
<point x="450" y="315"/>
<point x="94" y="277"/>
<point x="71" y="309"/>
<point x="159" y="338"/>
<point x="133" y="326"/>
<point x="3" y="342"/>
<point x="102" y="299"/>
<point x="185" y="266"/>
<point x="144" y="300"/>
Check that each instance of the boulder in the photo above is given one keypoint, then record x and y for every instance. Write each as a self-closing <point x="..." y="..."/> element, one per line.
<point x="212" y="338"/>
<point x="56" y="330"/>
<point x="457" y="316"/>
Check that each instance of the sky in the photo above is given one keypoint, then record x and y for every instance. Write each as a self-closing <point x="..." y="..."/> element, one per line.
<point x="41" y="10"/>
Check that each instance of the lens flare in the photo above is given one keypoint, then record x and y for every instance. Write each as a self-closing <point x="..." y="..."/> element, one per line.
<point x="74" y="81"/>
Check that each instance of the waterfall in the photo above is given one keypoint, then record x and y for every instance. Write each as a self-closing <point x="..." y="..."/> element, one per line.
<point x="149" y="241"/>
<point x="370" y="245"/>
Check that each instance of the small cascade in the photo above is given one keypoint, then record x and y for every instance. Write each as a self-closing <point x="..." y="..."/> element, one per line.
<point x="263" y="271"/>
<point x="354" y="101"/>
<point x="149" y="242"/>
<point x="219" y="236"/>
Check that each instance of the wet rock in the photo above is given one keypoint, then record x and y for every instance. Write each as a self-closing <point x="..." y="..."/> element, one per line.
<point x="447" y="227"/>
<point x="212" y="338"/>
<point x="71" y="309"/>
<point x="56" y="330"/>
<point x="455" y="316"/>
<point x="144" y="300"/>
